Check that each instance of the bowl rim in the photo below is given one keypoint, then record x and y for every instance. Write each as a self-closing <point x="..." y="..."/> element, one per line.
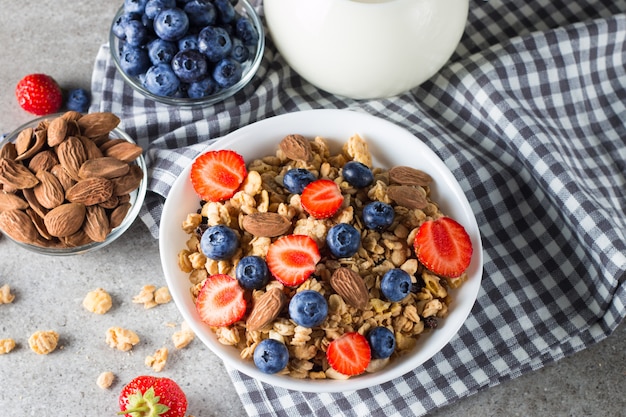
<point x="250" y="69"/>
<point x="137" y="197"/>
<point x="333" y="119"/>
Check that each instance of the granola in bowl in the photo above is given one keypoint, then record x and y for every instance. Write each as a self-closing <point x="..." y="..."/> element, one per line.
<point x="353" y="287"/>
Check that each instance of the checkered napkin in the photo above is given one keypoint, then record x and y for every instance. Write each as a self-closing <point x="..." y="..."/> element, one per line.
<point x="530" y="117"/>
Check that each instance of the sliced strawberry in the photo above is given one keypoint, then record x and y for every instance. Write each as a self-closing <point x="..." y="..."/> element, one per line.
<point x="221" y="301"/>
<point x="292" y="259"/>
<point x="443" y="246"/>
<point x="321" y="198"/>
<point x="217" y="175"/>
<point x="350" y="354"/>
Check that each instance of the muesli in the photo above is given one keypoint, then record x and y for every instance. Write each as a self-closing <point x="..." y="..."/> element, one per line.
<point x="261" y="210"/>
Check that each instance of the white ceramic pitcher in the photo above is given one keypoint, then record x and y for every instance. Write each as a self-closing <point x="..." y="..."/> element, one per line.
<point x="366" y="48"/>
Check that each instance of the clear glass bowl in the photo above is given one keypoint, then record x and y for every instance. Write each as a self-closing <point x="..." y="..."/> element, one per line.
<point x="250" y="67"/>
<point x="136" y="198"/>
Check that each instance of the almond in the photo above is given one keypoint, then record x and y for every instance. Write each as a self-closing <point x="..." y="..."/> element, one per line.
<point x="266" y="224"/>
<point x="266" y="308"/>
<point x="8" y="151"/>
<point x="98" y="123"/>
<point x="404" y="175"/>
<point x="90" y="191"/>
<point x="129" y="182"/>
<point x="105" y="167"/>
<point x="71" y="115"/>
<point x="30" y="197"/>
<point x="91" y="148"/>
<point x="49" y="192"/>
<point x="43" y="161"/>
<point x="18" y="226"/>
<point x="24" y="140"/>
<point x="296" y="147"/>
<point x="118" y="215"/>
<point x="16" y="175"/>
<point x="72" y="155"/>
<point x="350" y="286"/>
<point x="65" y="219"/>
<point x="36" y="146"/>
<point x="63" y="176"/>
<point x="79" y="238"/>
<point x="96" y="224"/>
<point x="408" y="196"/>
<point x="39" y="224"/>
<point x="57" y="131"/>
<point x="124" y="151"/>
<point x="9" y="201"/>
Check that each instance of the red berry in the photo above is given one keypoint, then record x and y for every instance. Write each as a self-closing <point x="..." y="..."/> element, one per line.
<point x="145" y="393"/>
<point x="292" y="259"/>
<point x="350" y="354"/>
<point x="39" y="94"/>
<point x="221" y="301"/>
<point x="217" y="175"/>
<point x="321" y="198"/>
<point x="443" y="246"/>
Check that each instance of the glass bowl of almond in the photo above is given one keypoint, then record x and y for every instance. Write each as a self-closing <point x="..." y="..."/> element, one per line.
<point x="70" y="183"/>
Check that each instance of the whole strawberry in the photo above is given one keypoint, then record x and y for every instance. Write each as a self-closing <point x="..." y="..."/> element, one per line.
<point x="39" y="94"/>
<point x="149" y="396"/>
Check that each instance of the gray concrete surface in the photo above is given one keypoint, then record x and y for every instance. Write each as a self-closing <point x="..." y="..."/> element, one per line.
<point x="61" y="38"/>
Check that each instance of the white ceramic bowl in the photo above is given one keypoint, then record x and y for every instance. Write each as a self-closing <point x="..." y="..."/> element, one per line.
<point x="390" y="145"/>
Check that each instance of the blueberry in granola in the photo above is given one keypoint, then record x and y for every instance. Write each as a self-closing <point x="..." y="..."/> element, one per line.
<point x="395" y="284"/>
<point x="219" y="242"/>
<point x="308" y="308"/>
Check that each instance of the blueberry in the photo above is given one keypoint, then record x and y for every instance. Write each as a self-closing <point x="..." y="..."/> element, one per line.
<point x="252" y="272"/>
<point x="190" y="65"/>
<point x="171" y="24"/>
<point x="203" y="88"/>
<point x="296" y="179"/>
<point x="154" y="7"/>
<point x="135" y="6"/>
<point x="201" y="13"/>
<point x="225" y="10"/>
<point x="227" y="73"/>
<point x="395" y="284"/>
<point x="134" y="60"/>
<point x="357" y="174"/>
<point x="308" y="308"/>
<point x="161" y="51"/>
<point x="382" y="342"/>
<point x="219" y="242"/>
<point x="244" y="29"/>
<point x="215" y="43"/>
<point x="161" y="80"/>
<point x="120" y="24"/>
<point x="271" y="356"/>
<point x="240" y="52"/>
<point x="188" y="42"/>
<point x="343" y="240"/>
<point x="378" y="215"/>
<point x="78" y="100"/>
<point x="136" y="34"/>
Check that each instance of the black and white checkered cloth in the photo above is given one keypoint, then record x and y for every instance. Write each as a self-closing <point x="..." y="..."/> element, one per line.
<point x="530" y="117"/>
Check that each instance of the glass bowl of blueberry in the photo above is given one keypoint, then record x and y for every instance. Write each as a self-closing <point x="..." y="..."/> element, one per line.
<point x="187" y="53"/>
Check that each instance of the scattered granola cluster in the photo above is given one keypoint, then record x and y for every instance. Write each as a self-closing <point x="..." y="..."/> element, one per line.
<point x="263" y="191"/>
<point x="99" y="301"/>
